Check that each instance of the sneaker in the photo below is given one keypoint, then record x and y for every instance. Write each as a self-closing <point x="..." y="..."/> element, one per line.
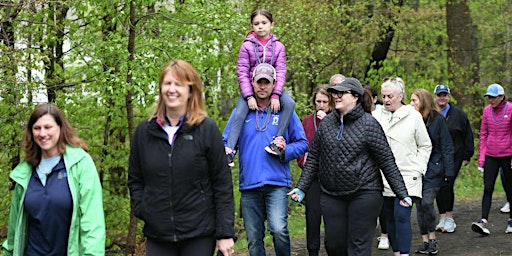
<point x="383" y="243"/>
<point x="480" y="227"/>
<point x="273" y="149"/>
<point x="231" y="158"/>
<point x="432" y="249"/>
<point x="423" y="248"/>
<point x="449" y="225"/>
<point x="440" y="226"/>
<point x="505" y="208"/>
<point x="509" y="227"/>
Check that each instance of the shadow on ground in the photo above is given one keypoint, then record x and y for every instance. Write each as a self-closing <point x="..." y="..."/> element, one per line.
<point x="462" y="242"/>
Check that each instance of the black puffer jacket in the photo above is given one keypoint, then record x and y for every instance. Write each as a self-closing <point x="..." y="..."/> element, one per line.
<point x="351" y="164"/>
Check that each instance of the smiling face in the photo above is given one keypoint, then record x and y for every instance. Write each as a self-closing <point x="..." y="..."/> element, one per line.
<point x="46" y="134"/>
<point x="442" y="99"/>
<point x="175" y="94"/>
<point x="261" y="25"/>
<point x="344" y="101"/>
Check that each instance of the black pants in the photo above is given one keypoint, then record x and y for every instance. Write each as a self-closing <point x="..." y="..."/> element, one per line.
<point x="446" y="196"/>
<point x="349" y="222"/>
<point x="491" y="170"/>
<point x="313" y="218"/>
<point x="195" y="246"/>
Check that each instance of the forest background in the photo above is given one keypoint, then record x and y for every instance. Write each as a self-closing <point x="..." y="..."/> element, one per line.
<point x="100" y="61"/>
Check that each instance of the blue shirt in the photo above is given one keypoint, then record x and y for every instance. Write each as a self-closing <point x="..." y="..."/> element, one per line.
<point x="257" y="167"/>
<point x="49" y="209"/>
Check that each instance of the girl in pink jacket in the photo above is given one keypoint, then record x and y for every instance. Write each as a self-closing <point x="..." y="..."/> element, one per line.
<point x="260" y="46"/>
<point x="495" y="152"/>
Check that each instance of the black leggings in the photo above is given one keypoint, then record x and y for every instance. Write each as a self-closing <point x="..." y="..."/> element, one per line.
<point x="446" y="196"/>
<point x="313" y="217"/>
<point x="491" y="170"/>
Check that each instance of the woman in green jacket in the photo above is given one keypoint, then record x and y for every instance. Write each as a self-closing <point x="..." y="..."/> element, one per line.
<point x="56" y="206"/>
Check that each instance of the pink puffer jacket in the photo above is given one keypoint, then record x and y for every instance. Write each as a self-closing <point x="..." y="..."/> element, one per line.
<point x="496" y="132"/>
<point x="252" y="52"/>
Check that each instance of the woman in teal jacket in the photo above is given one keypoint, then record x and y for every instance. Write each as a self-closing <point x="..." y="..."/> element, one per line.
<point x="56" y="207"/>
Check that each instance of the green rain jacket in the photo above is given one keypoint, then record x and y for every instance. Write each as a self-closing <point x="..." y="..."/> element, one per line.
<point x="87" y="231"/>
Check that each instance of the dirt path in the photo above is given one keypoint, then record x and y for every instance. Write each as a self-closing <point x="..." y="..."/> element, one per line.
<point x="462" y="242"/>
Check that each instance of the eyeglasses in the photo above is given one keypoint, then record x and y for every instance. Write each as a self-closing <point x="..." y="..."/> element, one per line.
<point x="491" y="97"/>
<point x="340" y="94"/>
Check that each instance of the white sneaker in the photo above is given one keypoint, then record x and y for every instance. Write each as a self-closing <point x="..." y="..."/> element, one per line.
<point x="440" y="226"/>
<point x="449" y="225"/>
<point x="505" y="208"/>
<point x="383" y="243"/>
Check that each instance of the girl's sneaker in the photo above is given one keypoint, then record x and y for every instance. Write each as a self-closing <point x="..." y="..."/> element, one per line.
<point x="231" y="159"/>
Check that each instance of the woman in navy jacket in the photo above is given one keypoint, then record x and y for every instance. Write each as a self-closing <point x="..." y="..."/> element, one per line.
<point x="439" y="168"/>
<point x="180" y="185"/>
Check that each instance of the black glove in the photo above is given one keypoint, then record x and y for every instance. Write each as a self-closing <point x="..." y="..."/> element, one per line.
<point x="448" y="179"/>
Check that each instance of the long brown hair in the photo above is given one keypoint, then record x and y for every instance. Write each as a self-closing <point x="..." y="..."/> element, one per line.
<point x="68" y="136"/>
<point x="366" y="101"/>
<point x="186" y="74"/>
<point x="428" y="107"/>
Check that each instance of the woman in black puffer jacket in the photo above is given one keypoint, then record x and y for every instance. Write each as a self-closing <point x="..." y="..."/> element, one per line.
<point x="348" y="150"/>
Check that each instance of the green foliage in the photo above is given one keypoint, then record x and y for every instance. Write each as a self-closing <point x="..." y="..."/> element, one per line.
<point x="100" y="78"/>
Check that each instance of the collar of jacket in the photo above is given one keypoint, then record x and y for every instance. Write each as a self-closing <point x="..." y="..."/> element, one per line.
<point x="352" y="115"/>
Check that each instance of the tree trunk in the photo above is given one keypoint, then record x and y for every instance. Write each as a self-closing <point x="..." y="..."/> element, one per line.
<point x="463" y="60"/>
<point x="132" y="229"/>
<point x="381" y="48"/>
<point x="54" y="51"/>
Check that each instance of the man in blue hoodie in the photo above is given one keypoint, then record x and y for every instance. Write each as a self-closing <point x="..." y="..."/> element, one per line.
<point x="266" y="179"/>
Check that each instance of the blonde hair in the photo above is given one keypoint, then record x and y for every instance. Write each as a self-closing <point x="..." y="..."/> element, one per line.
<point x="396" y="84"/>
<point x="186" y="74"/>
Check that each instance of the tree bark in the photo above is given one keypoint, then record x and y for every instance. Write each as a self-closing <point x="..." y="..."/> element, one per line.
<point x="463" y="59"/>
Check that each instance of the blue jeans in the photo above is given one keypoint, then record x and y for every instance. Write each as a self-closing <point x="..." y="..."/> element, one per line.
<point x="399" y="225"/>
<point x="266" y="203"/>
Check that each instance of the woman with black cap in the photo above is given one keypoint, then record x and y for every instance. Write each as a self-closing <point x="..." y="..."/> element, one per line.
<point x="347" y="152"/>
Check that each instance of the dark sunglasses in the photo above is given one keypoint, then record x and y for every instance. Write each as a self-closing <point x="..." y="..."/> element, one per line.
<point x="340" y="93"/>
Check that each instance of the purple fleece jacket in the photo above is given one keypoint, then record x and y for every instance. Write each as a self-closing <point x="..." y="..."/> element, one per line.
<point x="252" y="52"/>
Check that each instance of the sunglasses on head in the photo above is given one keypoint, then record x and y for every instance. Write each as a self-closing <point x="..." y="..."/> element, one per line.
<point x="391" y="79"/>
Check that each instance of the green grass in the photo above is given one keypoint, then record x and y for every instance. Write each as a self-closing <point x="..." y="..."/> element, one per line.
<point x="468" y="187"/>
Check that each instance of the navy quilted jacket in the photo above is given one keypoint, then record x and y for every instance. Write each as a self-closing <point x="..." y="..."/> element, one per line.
<point x="351" y="163"/>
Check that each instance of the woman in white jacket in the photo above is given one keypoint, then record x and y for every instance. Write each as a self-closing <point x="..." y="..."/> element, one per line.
<point x="411" y="146"/>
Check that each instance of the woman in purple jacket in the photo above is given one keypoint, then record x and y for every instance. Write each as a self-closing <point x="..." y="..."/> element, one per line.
<point x="260" y="46"/>
<point x="495" y="151"/>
